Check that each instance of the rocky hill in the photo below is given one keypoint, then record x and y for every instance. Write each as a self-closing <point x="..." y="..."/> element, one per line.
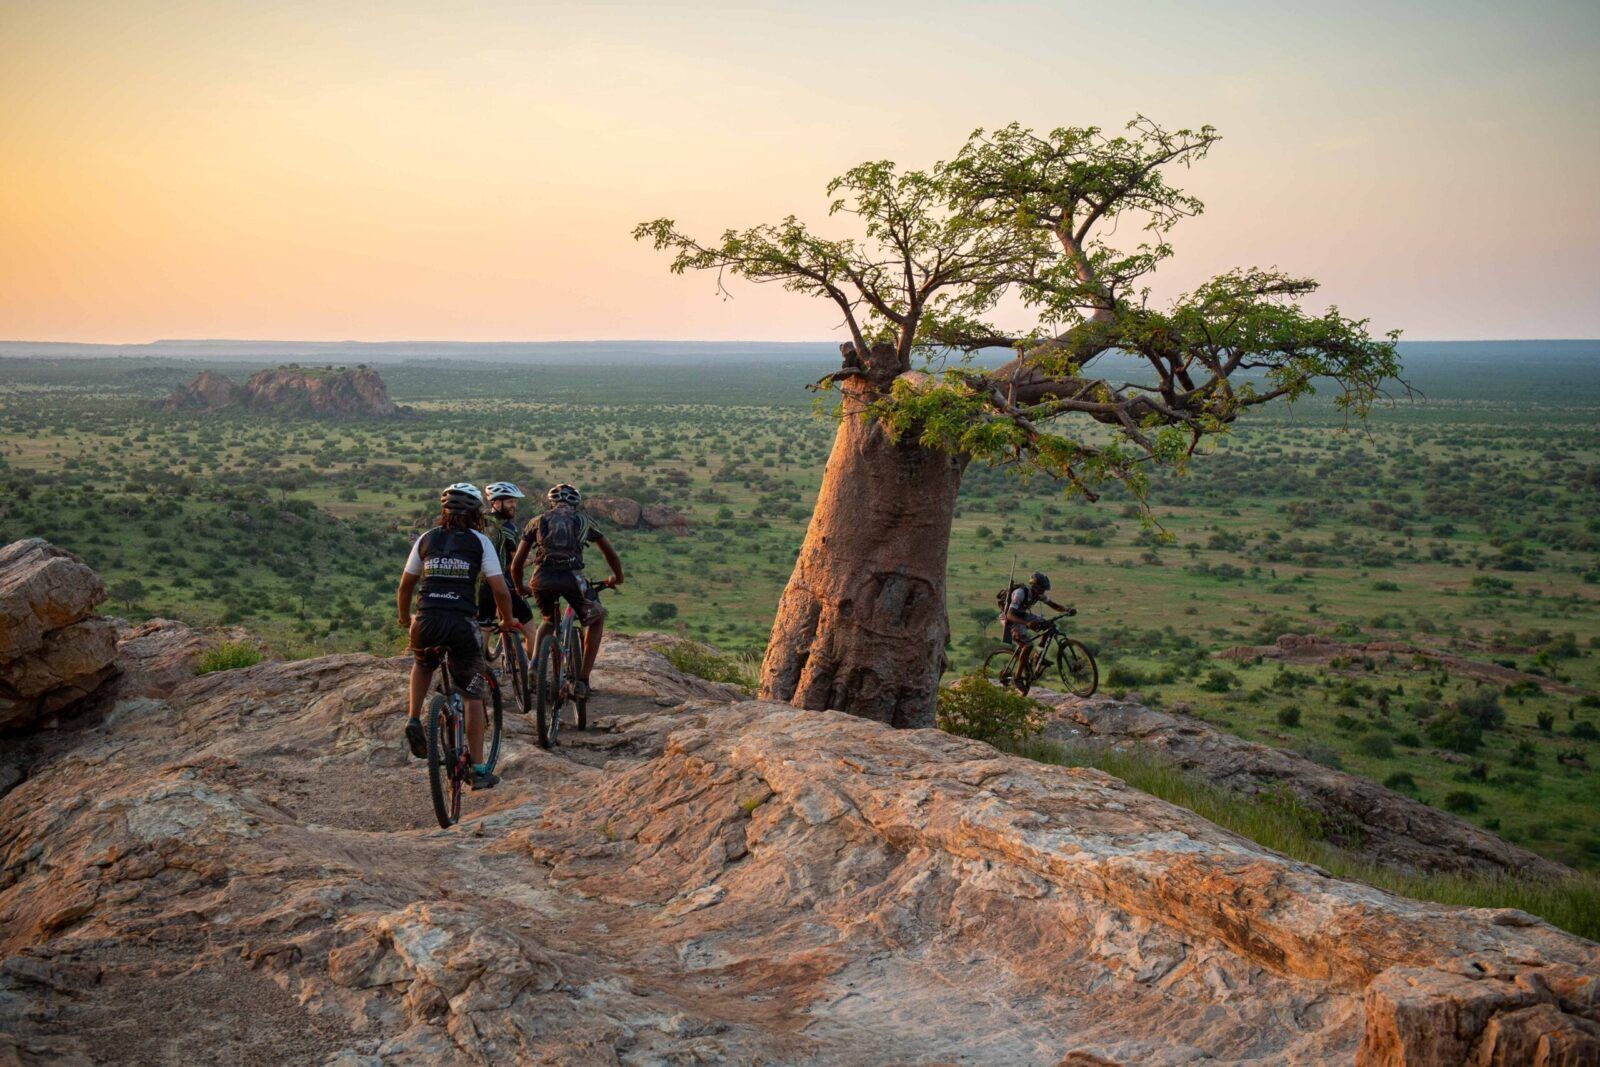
<point x="700" y="878"/>
<point x="290" y="390"/>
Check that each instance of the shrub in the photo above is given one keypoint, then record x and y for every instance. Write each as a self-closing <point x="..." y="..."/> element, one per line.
<point x="1378" y="746"/>
<point x="703" y="661"/>
<point x="1454" y="731"/>
<point x="972" y="706"/>
<point x="227" y="656"/>
<point x="1289" y="716"/>
<point x="1401" y="782"/>
<point x="1408" y="738"/>
<point x="1324" y="755"/>
<point x="1123" y="676"/>
<point x="1461" y="801"/>
<point x="1546" y="720"/>
<point x="1525" y="755"/>
<point x="660" y="611"/>
<point x="1584" y="730"/>
<point x="1482" y="706"/>
<point x="1218" y="680"/>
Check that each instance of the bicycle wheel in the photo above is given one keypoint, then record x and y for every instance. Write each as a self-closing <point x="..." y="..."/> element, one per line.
<point x="443" y="782"/>
<point x="547" y="688"/>
<point x="491" y="724"/>
<point x="997" y="667"/>
<point x="574" y="658"/>
<point x="1076" y="665"/>
<point x="517" y="666"/>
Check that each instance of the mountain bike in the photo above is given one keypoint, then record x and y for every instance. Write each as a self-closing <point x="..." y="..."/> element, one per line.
<point x="508" y="652"/>
<point x="557" y="667"/>
<point x="449" y="756"/>
<point x="1020" y="667"/>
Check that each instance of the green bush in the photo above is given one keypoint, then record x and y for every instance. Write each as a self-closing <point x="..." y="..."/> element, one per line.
<point x="703" y="661"/>
<point x="1482" y="706"/>
<point x="227" y="656"/>
<point x="1378" y="746"/>
<point x="1218" y="680"/>
<point x="975" y="707"/>
<point x="1289" y="716"/>
<point x="1525" y="755"/>
<point x="1546" y="721"/>
<point x="1461" y="801"/>
<point x="1401" y="782"/>
<point x="1584" y="730"/>
<point x="1454" y="731"/>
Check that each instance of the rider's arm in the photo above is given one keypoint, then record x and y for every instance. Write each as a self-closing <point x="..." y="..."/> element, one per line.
<point x="612" y="559"/>
<point x="1053" y="604"/>
<point x="519" y="560"/>
<point x="408" y="585"/>
<point x="502" y="601"/>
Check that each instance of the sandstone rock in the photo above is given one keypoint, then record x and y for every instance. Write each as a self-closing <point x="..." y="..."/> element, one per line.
<point x="53" y="652"/>
<point x="735" y="882"/>
<point x="158" y="655"/>
<point x="617" y="510"/>
<point x="661" y="517"/>
<point x="1360" y="814"/>
<point x="291" y="390"/>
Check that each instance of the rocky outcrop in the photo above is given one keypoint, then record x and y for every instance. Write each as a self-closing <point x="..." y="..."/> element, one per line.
<point x="1314" y="648"/>
<point x="629" y="514"/>
<point x="54" y="651"/>
<point x="696" y="881"/>
<point x="1359" y="814"/>
<point x="158" y="655"/>
<point x="292" y="390"/>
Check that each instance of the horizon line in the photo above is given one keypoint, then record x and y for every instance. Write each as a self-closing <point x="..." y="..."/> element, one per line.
<point x="616" y="340"/>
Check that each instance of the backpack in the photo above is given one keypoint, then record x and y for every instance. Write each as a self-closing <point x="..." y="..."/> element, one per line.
<point x="560" y="545"/>
<point x="1002" y="599"/>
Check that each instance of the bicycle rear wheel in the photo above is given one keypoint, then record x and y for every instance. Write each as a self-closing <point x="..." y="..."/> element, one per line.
<point x="517" y="666"/>
<point x="547" y="689"/>
<point x="491" y="725"/>
<point x="997" y="667"/>
<point x="1077" y="668"/>
<point x="443" y="773"/>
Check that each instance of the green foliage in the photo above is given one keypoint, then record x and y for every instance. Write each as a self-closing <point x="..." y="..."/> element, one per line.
<point x="1462" y="801"/>
<point x="1288" y="715"/>
<point x="1584" y="730"/>
<point x="1218" y="680"/>
<point x="1482" y="706"/>
<point x="703" y="661"/>
<point x="1280" y="823"/>
<point x="1455" y="731"/>
<point x="1377" y="746"/>
<point x="975" y="707"/>
<point x="660" y="611"/>
<point x="1401" y="782"/>
<point x="227" y="656"/>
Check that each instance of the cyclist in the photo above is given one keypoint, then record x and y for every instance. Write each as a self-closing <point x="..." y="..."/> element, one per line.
<point x="1017" y="616"/>
<point x="555" y="540"/>
<point x="503" y="530"/>
<point x="445" y="566"/>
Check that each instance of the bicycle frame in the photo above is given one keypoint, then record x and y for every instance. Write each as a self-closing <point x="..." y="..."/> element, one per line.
<point x="1033" y="650"/>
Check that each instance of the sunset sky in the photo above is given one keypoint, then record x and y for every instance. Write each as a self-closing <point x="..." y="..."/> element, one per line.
<point x="393" y="170"/>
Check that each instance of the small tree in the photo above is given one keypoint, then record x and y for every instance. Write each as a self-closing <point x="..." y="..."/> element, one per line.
<point x="862" y="625"/>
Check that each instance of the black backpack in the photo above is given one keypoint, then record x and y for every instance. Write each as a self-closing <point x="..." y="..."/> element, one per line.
<point x="560" y="545"/>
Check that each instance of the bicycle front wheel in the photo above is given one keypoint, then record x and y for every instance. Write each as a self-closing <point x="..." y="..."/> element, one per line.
<point x="998" y="668"/>
<point x="1075" y="663"/>
<point x="517" y="667"/>
<point x="442" y="780"/>
<point x="547" y="689"/>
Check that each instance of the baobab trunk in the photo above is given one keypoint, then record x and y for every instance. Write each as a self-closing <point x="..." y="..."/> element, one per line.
<point x="862" y="626"/>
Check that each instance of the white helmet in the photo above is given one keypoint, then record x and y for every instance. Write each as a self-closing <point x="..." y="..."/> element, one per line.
<point x="501" y="490"/>
<point x="564" y="494"/>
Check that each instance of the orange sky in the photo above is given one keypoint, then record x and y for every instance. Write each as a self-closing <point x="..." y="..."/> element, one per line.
<point x="395" y="170"/>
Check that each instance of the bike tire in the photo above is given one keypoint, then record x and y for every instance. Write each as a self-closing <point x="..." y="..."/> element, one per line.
<point x="492" y="719"/>
<point x="575" y="651"/>
<point x="442" y="784"/>
<point x="547" y="689"/>
<point x="1077" y="668"/>
<point x="517" y="666"/>
<point x="996" y="664"/>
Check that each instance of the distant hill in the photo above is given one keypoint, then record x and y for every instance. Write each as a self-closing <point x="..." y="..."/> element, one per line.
<point x="291" y="390"/>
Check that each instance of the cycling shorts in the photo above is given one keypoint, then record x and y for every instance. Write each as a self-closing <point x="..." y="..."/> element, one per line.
<point x="486" y="610"/>
<point x="550" y="587"/>
<point x="457" y="634"/>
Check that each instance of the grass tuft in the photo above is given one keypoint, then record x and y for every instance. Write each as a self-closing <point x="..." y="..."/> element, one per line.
<point x="227" y="656"/>
<point x="703" y="661"/>
<point x="1280" y="822"/>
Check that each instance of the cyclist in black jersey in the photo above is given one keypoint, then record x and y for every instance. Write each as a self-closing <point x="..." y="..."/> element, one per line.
<point x="555" y="540"/>
<point x="443" y="571"/>
<point x="1017" y="616"/>
<point x="503" y="530"/>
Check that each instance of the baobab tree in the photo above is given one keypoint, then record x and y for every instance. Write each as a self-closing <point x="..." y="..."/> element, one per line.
<point x="1016" y="220"/>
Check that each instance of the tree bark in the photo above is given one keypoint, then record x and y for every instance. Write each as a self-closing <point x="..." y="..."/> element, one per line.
<point x="862" y="626"/>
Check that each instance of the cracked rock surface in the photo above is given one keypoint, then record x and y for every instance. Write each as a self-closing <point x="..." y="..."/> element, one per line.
<point x="245" y="869"/>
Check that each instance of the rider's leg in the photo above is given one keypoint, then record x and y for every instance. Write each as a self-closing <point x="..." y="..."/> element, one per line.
<point x="591" y="647"/>
<point x="421" y="677"/>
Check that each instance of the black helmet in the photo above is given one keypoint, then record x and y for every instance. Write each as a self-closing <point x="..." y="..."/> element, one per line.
<point x="1040" y="581"/>
<point x="564" y="494"/>
<point x="462" y="497"/>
